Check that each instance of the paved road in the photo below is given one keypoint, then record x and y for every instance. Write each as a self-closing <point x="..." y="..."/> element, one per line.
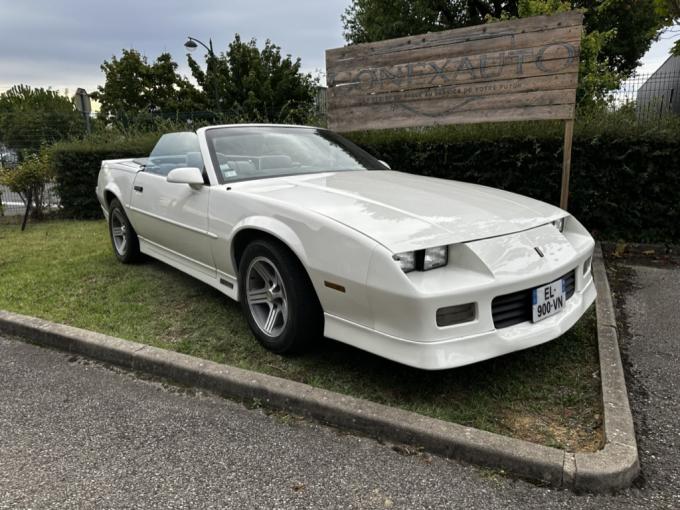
<point x="647" y="298"/>
<point x="76" y="434"/>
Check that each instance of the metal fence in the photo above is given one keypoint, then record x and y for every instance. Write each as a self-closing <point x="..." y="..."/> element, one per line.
<point x="652" y="96"/>
<point x="8" y="157"/>
<point x="12" y="204"/>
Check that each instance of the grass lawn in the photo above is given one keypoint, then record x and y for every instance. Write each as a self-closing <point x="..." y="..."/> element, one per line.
<point x="65" y="271"/>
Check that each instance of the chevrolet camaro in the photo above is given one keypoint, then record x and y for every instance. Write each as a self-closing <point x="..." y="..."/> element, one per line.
<point x="314" y="236"/>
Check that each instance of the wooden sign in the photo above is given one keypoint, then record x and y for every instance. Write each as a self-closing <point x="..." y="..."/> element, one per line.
<point x="525" y="69"/>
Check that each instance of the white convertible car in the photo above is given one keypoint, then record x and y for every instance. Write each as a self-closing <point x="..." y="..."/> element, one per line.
<point x="316" y="237"/>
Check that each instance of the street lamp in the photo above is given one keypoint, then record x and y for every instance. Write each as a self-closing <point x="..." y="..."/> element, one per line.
<point x="191" y="45"/>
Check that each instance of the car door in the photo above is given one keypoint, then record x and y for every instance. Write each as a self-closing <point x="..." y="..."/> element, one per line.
<point x="172" y="218"/>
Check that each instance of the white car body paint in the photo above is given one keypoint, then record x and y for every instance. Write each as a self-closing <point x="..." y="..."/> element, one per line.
<point x="345" y="228"/>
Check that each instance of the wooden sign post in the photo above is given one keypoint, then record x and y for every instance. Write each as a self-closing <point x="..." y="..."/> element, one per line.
<point x="520" y="70"/>
<point x="566" y="163"/>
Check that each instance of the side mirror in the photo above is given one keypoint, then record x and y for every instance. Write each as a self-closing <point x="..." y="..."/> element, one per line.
<point x="388" y="166"/>
<point x="187" y="175"/>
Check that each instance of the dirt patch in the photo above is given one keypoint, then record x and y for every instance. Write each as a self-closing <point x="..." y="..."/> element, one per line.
<point x="563" y="428"/>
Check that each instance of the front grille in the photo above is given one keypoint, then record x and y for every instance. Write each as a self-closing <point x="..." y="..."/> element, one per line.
<point x="511" y="309"/>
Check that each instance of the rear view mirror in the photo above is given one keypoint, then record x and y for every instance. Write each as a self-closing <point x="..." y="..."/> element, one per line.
<point x="384" y="163"/>
<point x="187" y="175"/>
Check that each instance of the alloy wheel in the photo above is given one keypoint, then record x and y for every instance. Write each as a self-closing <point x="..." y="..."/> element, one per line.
<point x="266" y="296"/>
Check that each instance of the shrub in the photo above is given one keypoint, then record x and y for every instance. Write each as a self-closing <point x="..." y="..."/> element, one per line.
<point x="29" y="179"/>
<point x="624" y="180"/>
<point x="77" y="165"/>
<point x="624" y="185"/>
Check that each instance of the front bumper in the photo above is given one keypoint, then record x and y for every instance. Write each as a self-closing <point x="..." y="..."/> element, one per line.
<point x="464" y="350"/>
<point x="403" y="307"/>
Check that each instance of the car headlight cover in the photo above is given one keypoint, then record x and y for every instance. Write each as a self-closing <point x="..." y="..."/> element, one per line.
<point x="407" y="260"/>
<point x="435" y="257"/>
<point x="559" y="224"/>
<point x="423" y="260"/>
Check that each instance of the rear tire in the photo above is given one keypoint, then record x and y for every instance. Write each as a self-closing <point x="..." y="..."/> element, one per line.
<point x="123" y="237"/>
<point x="278" y="299"/>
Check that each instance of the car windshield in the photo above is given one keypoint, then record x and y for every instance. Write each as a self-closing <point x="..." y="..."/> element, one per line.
<point x="242" y="153"/>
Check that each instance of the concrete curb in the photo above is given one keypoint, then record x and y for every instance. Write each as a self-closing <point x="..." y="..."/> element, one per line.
<point x="612" y="468"/>
<point x="617" y="464"/>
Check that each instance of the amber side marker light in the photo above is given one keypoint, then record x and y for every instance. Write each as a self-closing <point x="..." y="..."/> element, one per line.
<point x="334" y="286"/>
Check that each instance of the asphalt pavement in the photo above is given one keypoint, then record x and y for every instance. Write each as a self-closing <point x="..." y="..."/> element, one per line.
<point x="648" y="309"/>
<point x="77" y="434"/>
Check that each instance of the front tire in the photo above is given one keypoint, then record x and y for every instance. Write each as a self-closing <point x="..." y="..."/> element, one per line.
<point x="123" y="237"/>
<point x="278" y="298"/>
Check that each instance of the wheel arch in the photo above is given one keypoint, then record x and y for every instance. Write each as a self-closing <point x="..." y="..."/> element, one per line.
<point x="266" y="228"/>
<point x="281" y="235"/>
<point x="111" y="191"/>
<point x="109" y="195"/>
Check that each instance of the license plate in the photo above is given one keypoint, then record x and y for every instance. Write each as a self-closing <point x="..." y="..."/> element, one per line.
<point x="548" y="300"/>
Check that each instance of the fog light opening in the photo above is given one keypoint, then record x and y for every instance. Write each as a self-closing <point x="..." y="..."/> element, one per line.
<point x="458" y="314"/>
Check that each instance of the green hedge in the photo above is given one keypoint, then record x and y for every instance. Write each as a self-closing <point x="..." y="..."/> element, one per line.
<point x="77" y="165"/>
<point x="625" y="180"/>
<point x="625" y="177"/>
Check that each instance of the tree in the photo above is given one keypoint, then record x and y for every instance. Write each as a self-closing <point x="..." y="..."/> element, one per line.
<point x="375" y="20"/>
<point x="631" y="27"/>
<point x="671" y="10"/>
<point x="133" y="86"/>
<point x="254" y="84"/>
<point x="617" y="32"/>
<point x="243" y="83"/>
<point x="32" y="117"/>
<point x="29" y="179"/>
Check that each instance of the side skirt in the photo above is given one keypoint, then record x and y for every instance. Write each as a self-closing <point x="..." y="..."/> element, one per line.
<point x="225" y="283"/>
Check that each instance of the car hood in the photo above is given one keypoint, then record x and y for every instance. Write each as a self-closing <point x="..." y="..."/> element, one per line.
<point x="403" y="211"/>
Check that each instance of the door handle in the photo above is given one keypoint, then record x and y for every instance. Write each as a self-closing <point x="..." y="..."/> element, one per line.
<point x="139" y="188"/>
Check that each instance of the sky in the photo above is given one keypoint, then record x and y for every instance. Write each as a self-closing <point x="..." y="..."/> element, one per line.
<point x="659" y="51"/>
<point x="61" y="44"/>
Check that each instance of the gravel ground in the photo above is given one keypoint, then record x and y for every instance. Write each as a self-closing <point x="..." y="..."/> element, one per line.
<point x="74" y="433"/>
